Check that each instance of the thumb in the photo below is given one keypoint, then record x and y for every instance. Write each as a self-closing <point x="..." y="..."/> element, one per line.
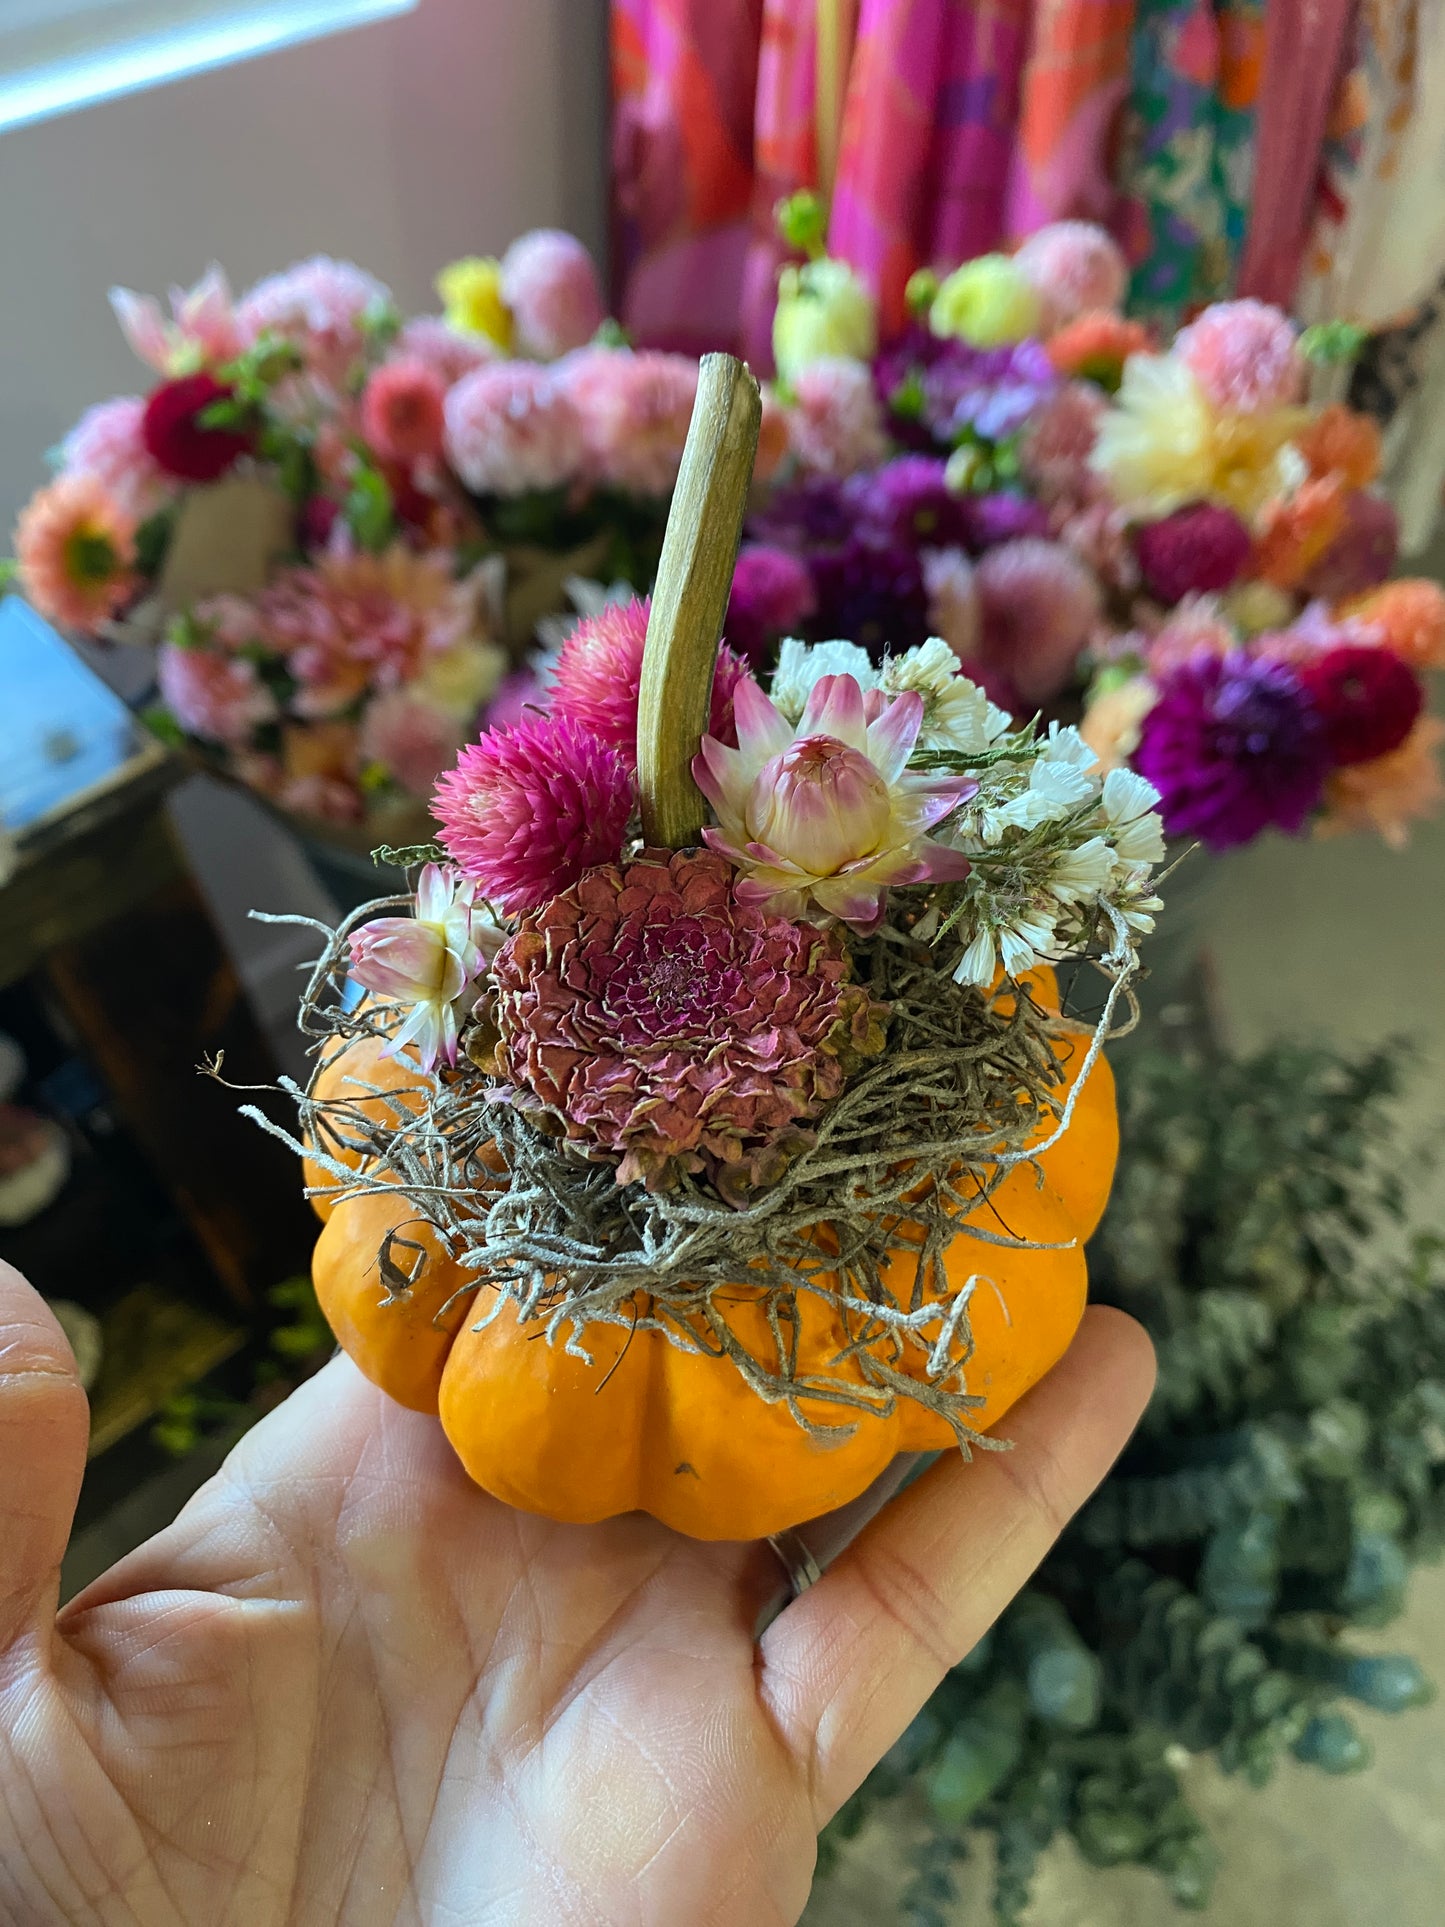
<point x="44" y="1425"/>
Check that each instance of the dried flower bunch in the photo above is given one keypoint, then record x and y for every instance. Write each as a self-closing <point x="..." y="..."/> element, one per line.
<point x="1165" y="534"/>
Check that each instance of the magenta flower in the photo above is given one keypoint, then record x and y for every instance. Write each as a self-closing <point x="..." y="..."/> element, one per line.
<point x="1234" y="746"/>
<point x="599" y="673"/>
<point x="772" y="594"/>
<point x="1198" y="550"/>
<point x="530" y="809"/>
<point x="826" y="817"/>
<point x="428" y="961"/>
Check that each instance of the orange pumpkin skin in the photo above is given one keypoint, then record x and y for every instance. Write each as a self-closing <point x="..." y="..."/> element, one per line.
<point x="348" y="1065"/>
<point x="393" y="1341"/>
<point x="648" y="1426"/>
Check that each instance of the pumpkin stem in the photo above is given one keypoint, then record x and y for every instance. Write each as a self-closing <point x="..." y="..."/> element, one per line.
<point x="694" y="578"/>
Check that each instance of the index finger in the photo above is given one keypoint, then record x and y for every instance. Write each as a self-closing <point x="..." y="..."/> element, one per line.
<point x="847" y="1666"/>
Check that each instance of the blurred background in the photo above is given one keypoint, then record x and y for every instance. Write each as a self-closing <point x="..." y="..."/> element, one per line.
<point x="1230" y="148"/>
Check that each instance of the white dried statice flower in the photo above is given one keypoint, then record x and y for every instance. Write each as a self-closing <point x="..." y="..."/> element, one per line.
<point x="957" y="715"/>
<point x="803" y="664"/>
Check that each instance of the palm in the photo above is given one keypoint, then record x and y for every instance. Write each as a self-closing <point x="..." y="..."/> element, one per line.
<point x="346" y="1686"/>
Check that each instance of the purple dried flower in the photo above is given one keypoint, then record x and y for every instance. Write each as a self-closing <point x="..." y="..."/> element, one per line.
<point x="813" y="514"/>
<point x="907" y="500"/>
<point x="872" y="593"/>
<point x="989" y="520"/>
<point x="988" y="392"/>
<point x="772" y="595"/>
<point x="1234" y="746"/>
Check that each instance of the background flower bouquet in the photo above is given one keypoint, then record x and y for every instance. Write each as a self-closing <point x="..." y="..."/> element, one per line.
<point x="340" y="526"/>
<point x="1173" y="541"/>
<point x="746" y="1097"/>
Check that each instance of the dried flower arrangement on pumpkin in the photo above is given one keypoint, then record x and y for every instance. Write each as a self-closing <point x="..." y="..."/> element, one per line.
<point x="698" y="1147"/>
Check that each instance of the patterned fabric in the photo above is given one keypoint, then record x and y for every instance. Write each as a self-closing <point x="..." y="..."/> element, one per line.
<point x="1075" y="87"/>
<point x="928" y="133"/>
<point x="1188" y="170"/>
<point x="684" y="85"/>
<point x="1307" y="48"/>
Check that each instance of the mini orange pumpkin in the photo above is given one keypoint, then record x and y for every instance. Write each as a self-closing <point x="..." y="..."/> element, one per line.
<point x="648" y="1426"/>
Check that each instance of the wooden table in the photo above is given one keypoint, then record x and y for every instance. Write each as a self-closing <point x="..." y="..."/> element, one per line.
<point x="102" y="907"/>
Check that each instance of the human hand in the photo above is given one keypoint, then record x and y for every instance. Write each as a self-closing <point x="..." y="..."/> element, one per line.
<point x="346" y="1686"/>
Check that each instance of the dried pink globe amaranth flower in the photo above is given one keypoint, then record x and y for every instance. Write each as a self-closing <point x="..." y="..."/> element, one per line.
<point x="512" y="428"/>
<point x="827" y="817"/>
<point x="667" y="1024"/>
<point x="550" y="283"/>
<point x="599" y="673"/>
<point x="529" y="809"/>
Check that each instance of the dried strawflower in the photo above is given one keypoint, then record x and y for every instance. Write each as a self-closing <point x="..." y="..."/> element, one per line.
<point x="1341" y="442"/>
<point x="528" y="809"/>
<point x="666" y="1023"/>
<point x="826" y="816"/>
<point x="201" y="331"/>
<point x="429" y="961"/>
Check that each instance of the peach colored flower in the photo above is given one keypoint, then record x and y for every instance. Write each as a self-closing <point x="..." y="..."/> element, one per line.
<point x="772" y="439"/>
<point x="1294" y="533"/>
<point x="1340" y="442"/>
<point x="1113" y="721"/>
<point x="1389" y="793"/>
<point x="75" y="545"/>
<point x="1096" y="345"/>
<point x="403" y="412"/>
<point x="1407" y="616"/>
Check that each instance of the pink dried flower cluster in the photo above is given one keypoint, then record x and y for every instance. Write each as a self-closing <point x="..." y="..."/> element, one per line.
<point x="836" y="423"/>
<point x="1037" y="606"/>
<point x="319" y="306"/>
<point x="513" y="427"/>
<point x="529" y="809"/>
<point x="635" y="410"/>
<point x="1244" y="356"/>
<point x="549" y="283"/>
<point x="1074" y="266"/>
<point x="108" y="443"/>
<point x="431" y="340"/>
<point x="664" y="1023"/>
<point x="219" y="698"/>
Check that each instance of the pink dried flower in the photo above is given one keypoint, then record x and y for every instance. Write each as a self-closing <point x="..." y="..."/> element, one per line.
<point x="511" y="428"/>
<point x="670" y="1025"/>
<point x="550" y="284"/>
<point x="75" y="546"/>
<point x="429" y="961"/>
<point x="1057" y="442"/>
<point x="1037" y="604"/>
<point x="528" y="810"/>
<point x="330" y="799"/>
<point x="635" y="411"/>
<point x="403" y="412"/>
<point x="1074" y="266"/>
<point x="953" y="610"/>
<point x="516" y="695"/>
<point x="412" y="739"/>
<point x="108" y="443"/>
<point x="349" y="622"/>
<point x="201" y="332"/>
<point x="319" y="306"/>
<point x="1100" y="536"/>
<point x="218" y="698"/>
<point x="431" y="340"/>
<point x="1244" y="356"/>
<point x="827" y="816"/>
<point x="599" y="673"/>
<point x="837" y="423"/>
